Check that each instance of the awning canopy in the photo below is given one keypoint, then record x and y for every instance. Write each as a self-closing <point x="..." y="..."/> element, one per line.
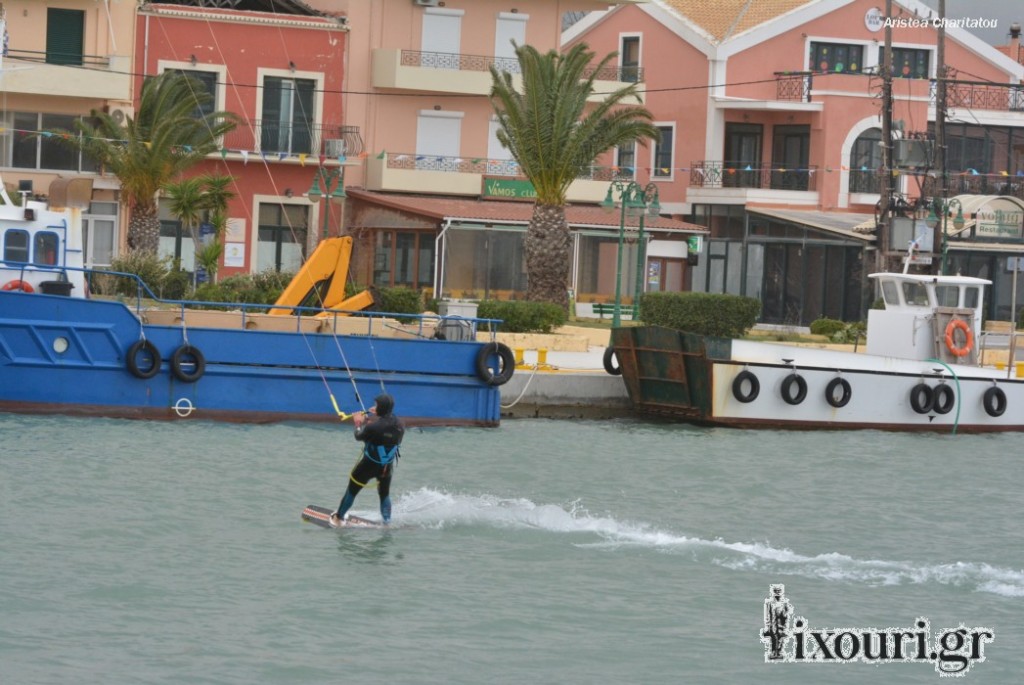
<point x="843" y="224"/>
<point x="467" y="210"/>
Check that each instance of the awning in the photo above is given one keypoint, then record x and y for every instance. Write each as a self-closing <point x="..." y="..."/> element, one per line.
<point x="468" y="210"/>
<point x="843" y="224"/>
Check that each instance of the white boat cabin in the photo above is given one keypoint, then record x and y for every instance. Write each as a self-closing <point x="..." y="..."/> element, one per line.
<point x="41" y="243"/>
<point x="927" y="317"/>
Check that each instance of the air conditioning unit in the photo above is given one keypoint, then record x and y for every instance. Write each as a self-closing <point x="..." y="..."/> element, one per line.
<point x="335" y="147"/>
<point x="426" y="3"/>
<point x="122" y="114"/>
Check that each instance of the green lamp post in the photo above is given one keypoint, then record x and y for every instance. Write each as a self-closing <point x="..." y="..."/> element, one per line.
<point x="945" y="207"/>
<point x="636" y="201"/>
<point x="329" y="183"/>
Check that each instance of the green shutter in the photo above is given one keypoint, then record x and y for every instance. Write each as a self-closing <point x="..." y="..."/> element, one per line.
<point x="65" y="31"/>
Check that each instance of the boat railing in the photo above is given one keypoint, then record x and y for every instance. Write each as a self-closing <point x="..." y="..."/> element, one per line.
<point x="150" y="308"/>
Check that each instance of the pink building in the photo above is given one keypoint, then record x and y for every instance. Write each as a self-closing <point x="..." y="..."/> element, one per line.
<point x="281" y="71"/>
<point x="771" y="122"/>
<point x="417" y="80"/>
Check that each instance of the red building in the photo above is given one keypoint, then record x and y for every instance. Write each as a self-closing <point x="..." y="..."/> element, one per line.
<point x="281" y="72"/>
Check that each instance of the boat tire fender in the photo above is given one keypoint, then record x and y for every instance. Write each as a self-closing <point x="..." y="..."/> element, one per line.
<point x="801" y="389"/>
<point x="830" y="392"/>
<point x="611" y="362"/>
<point x="507" y="363"/>
<point x="133" y="359"/>
<point x="944" y="399"/>
<point x="180" y="363"/>
<point x="922" y="398"/>
<point x="754" y="386"/>
<point x="23" y="286"/>
<point x="995" y="401"/>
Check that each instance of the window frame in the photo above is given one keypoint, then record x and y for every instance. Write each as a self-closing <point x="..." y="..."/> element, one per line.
<point x="656" y="150"/>
<point x="813" y="59"/>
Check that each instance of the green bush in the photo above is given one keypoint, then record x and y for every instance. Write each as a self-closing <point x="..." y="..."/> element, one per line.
<point x="261" y="288"/>
<point x="824" y="326"/>
<point x="150" y="269"/>
<point x="728" y="316"/>
<point x="519" y="316"/>
<point x="399" y="300"/>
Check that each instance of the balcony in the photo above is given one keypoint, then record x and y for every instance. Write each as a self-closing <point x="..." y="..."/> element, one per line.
<point x="412" y="173"/>
<point x="439" y="72"/>
<point x="793" y="86"/>
<point x="739" y="182"/>
<point x="95" y="77"/>
<point x="280" y="140"/>
<point x="978" y="95"/>
<point x="972" y="183"/>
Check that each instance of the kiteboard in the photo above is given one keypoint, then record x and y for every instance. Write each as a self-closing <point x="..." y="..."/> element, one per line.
<point x="322" y="517"/>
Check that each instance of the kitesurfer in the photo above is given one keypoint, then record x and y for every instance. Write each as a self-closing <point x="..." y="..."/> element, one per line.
<point x="381" y="432"/>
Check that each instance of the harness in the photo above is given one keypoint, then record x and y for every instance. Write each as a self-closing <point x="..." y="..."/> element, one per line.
<point x="384" y="455"/>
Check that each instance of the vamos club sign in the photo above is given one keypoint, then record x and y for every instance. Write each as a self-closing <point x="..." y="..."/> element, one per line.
<point x="789" y="639"/>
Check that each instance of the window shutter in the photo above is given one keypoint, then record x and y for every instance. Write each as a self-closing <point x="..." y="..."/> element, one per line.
<point x="65" y="31"/>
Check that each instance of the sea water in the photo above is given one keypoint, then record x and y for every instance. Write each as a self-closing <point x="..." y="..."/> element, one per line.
<point x="541" y="551"/>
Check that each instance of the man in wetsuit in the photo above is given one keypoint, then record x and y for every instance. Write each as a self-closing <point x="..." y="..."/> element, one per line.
<point x="381" y="433"/>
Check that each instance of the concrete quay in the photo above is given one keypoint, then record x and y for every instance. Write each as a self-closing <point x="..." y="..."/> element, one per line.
<point x="563" y="383"/>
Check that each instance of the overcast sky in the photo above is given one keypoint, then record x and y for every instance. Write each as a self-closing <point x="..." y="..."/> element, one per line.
<point x="1004" y="12"/>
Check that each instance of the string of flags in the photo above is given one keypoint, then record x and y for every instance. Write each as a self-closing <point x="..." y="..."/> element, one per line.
<point x="303" y="157"/>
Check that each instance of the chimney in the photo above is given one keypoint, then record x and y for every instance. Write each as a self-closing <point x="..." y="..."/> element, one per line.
<point x="1015" y="51"/>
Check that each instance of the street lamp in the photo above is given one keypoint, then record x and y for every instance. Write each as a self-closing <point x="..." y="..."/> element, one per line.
<point x="637" y="201"/>
<point x="333" y="183"/>
<point x="945" y="207"/>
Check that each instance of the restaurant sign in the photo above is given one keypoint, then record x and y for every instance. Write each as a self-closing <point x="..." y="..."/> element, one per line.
<point x="508" y="189"/>
<point x="1000" y="219"/>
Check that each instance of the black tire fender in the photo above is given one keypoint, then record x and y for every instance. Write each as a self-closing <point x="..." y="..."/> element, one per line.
<point x="922" y="398"/>
<point x="180" y="361"/>
<point x="506" y="363"/>
<point x="944" y="399"/>
<point x="737" y="386"/>
<point x="830" y="392"/>
<point x="995" y="401"/>
<point x="133" y="359"/>
<point x="611" y="362"/>
<point x="801" y="389"/>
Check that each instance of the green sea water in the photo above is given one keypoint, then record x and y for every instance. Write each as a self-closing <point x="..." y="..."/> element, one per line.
<point x="542" y="551"/>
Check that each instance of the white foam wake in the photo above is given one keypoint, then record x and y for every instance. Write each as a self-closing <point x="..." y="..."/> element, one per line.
<point x="433" y="509"/>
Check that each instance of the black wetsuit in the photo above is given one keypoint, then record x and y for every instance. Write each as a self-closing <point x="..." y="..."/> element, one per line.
<point x="381" y="438"/>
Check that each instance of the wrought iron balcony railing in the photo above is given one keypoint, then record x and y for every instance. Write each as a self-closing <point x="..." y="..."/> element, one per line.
<point x="71" y="59"/>
<point x="1008" y="97"/>
<point x="972" y="183"/>
<point x="459" y="62"/>
<point x="273" y="137"/>
<point x="793" y="85"/>
<point x="489" y="167"/>
<point x="715" y="174"/>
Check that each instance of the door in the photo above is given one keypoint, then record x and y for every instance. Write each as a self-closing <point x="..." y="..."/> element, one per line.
<point x="743" y="155"/>
<point x="791" y="147"/>
<point x="511" y="27"/>
<point x="438" y="140"/>
<point x="442" y="38"/>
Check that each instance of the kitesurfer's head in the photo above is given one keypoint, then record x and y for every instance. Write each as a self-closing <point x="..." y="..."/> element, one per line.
<point x="385" y="404"/>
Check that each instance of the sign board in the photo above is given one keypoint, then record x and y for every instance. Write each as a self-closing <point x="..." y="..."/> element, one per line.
<point x="874" y="20"/>
<point x="507" y="189"/>
<point x="1000" y="219"/>
<point x="694" y="244"/>
<point x="1015" y="263"/>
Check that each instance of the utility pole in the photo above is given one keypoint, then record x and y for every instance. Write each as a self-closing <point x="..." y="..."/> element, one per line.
<point x="884" y="221"/>
<point x="942" y="186"/>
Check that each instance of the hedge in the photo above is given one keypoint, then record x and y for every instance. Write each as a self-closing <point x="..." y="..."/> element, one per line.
<point x="520" y="316"/>
<point x="727" y="316"/>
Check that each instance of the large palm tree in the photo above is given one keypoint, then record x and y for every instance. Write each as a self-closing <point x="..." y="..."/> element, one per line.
<point x="168" y="135"/>
<point x="555" y="135"/>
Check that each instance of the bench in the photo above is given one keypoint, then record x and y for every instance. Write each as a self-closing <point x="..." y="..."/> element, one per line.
<point x="602" y="308"/>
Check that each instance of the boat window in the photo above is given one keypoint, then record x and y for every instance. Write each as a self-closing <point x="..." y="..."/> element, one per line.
<point x="972" y="297"/>
<point x="947" y="295"/>
<point x="16" y="245"/>
<point x="915" y="294"/>
<point x="890" y="293"/>
<point x="44" y="251"/>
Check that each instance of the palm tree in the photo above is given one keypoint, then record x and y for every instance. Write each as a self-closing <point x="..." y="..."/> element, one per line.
<point x="168" y="135"/>
<point x="555" y="135"/>
<point x="194" y="199"/>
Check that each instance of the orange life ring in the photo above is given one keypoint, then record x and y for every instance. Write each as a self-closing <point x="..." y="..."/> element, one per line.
<point x="23" y="286"/>
<point x="951" y="328"/>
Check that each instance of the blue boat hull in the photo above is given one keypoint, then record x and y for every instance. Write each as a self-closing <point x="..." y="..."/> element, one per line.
<point x="65" y="355"/>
